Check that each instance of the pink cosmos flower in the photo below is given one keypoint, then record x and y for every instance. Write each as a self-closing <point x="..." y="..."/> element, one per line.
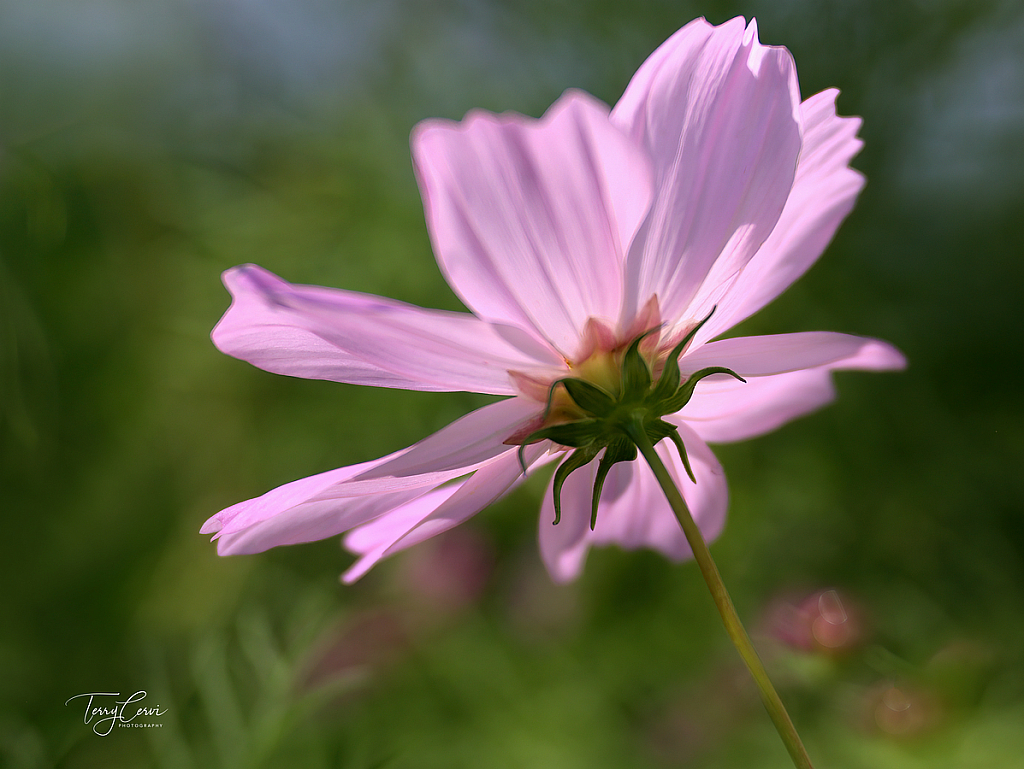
<point x="710" y="185"/>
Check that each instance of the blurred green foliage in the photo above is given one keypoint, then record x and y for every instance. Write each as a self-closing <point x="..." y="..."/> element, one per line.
<point x="147" y="146"/>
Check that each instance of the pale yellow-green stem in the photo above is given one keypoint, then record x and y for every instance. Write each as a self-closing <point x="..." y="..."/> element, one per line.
<point x="733" y="626"/>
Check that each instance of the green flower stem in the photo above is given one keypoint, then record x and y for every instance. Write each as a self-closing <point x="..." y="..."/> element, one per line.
<point x="733" y="626"/>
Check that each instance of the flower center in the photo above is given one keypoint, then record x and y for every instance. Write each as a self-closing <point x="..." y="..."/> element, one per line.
<point x="600" y="364"/>
<point x="611" y="400"/>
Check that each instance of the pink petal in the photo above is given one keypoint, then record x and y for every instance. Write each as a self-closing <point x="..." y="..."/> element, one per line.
<point x="284" y="497"/>
<point x="332" y="502"/>
<point x="778" y="353"/>
<point x="719" y="115"/>
<point x="530" y="219"/>
<point x="469" y="440"/>
<point x="727" y="410"/>
<point x="345" y="336"/>
<point x="823" y="194"/>
<point x="437" y="512"/>
<point x="633" y="511"/>
<point x="371" y="540"/>
<point x="260" y="524"/>
<point x="723" y="409"/>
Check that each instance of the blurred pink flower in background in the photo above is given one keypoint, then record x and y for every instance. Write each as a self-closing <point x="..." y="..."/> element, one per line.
<point x="447" y="574"/>
<point x="825" y="621"/>
<point x="709" y="185"/>
<point x="901" y="710"/>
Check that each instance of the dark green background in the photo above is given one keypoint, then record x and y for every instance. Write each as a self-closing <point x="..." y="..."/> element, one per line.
<point x="145" y="146"/>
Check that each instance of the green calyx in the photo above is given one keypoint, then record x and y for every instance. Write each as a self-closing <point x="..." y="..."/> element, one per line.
<point x="615" y="422"/>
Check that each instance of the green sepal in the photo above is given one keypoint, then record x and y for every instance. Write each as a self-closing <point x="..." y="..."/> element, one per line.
<point x="684" y="393"/>
<point x="670" y="377"/>
<point x="520" y="454"/>
<point x="589" y="397"/>
<point x="573" y="434"/>
<point x="636" y="375"/>
<point x="677" y="439"/>
<point x="574" y="461"/>
<point x="621" y="449"/>
<point x="658" y="429"/>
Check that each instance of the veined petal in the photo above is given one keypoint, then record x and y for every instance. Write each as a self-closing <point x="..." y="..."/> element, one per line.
<point x="345" y="336"/>
<point x="258" y="331"/>
<point x="530" y="219"/>
<point x="729" y="410"/>
<point x="329" y="503"/>
<point x="824" y="192"/>
<point x="436" y="512"/>
<point x="752" y="356"/>
<point x="468" y="441"/>
<point x="633" y="511"/>
<point x="723" y="409"/>
<point x="371" y="540"/>
<point x="286" y="516"/>
<point x="243" y="514"/>
<point x="719" y="114"/>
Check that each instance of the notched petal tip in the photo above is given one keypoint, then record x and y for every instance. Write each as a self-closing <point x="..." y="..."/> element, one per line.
<point x="431" y="129"/>
<point x="758" y="51"/>
<point x="247" y="278"/>
<point x="212" y="526"/>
